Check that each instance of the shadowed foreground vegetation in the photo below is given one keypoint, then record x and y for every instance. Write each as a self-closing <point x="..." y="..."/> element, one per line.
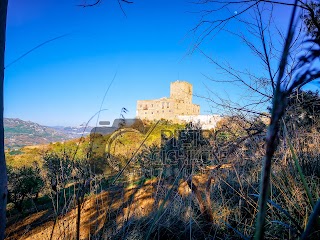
<point x="207" y="188"/>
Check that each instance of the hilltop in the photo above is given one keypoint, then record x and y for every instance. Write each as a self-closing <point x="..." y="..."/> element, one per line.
<point x="19" y="133"/>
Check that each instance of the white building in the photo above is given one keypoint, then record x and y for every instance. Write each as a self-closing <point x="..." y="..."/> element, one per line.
<point x="205" y="121"/>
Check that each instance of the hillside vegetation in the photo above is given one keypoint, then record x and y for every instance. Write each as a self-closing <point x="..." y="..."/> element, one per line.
<point x="19" y="133"/>
<point x="193" y="184"/>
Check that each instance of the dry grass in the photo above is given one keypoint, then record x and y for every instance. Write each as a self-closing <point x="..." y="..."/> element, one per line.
<point x="113" y="208"/>
<point x="219" y="203"/>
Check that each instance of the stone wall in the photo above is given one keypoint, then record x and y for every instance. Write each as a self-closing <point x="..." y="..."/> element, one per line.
<point x="181" y="91"/>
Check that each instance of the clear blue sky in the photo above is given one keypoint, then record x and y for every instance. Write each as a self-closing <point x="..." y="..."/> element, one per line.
<point x="63" y="82"/>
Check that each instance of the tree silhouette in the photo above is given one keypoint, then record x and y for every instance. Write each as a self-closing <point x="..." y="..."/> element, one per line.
<point x="3" y="169"/>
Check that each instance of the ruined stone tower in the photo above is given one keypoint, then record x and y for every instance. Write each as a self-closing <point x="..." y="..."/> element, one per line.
<point x="181" y="91"/>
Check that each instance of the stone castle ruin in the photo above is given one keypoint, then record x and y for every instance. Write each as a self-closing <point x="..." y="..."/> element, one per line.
<point x="177" y="108"/>
<point x="178" y="104"/>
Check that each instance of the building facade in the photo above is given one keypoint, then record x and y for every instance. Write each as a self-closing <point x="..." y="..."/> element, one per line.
<point x="179" y="103"/>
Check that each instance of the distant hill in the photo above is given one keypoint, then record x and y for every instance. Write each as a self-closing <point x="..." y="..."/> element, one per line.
<point x="73" y="132"/>
<point x="19" y="133"/>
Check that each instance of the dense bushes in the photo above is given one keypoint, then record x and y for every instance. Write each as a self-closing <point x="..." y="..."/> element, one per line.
<point x="58" y="170"/>
<point x="24" y="183"/>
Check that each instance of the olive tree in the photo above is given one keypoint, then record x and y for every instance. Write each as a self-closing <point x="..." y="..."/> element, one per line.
<point x="24" y="183"/>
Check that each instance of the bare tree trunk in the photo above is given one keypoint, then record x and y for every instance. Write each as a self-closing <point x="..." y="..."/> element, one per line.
<point x="3" y="169"/>
<point x="78" y="217"/>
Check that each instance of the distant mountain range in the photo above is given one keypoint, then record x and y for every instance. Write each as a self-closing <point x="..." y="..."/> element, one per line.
<point x="19" y="133"/>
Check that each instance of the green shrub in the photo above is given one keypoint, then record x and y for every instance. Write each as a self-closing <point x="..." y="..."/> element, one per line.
<point x="23" y="183"/>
